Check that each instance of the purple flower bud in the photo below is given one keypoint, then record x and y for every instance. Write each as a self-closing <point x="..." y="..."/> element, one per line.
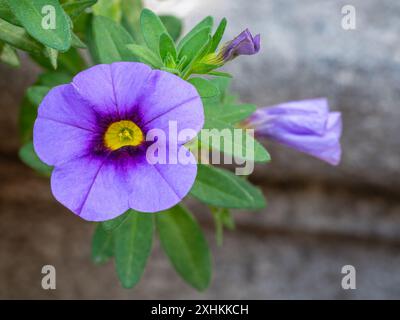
<point x="243" y="44"/>
<point x="306" y="126"/>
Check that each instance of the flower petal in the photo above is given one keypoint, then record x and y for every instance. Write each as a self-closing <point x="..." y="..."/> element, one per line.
<point x="93" y="188"/>
<point x="169" y="98"/>
<point x="161" y="186"/>
<point x="303" y="117"/>
<point x="112" y="88"/>
<point x="325" y="147"/>
<point x="63" y="104"/>
<point x="56" y="143"/>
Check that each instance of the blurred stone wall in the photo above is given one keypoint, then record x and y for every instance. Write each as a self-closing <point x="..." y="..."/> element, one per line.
<point x="318" y="218"/>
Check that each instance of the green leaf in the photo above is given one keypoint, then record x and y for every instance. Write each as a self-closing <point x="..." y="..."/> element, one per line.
<point x="9" y="55"/>
<point x="111" y="41"/>
<point x="184" y="243"/>
<point x="102" y="245"/>
<point x="34" y="15"/>
<point x="111" y="225"/>
<point x="217" y="37"/>
<point x="152" y="29"/>
<point x="36" y="94"/>
<point x="205" y="88"/>
<point x="6" y="13"/>
<point x="133" y="243"/>
<point x="108" y="8"/>
<point x="167" y="46"/>
<point x="222" y="188"/>
<point x="238" y="142"/>
<point x="28" y="156"/>
<point x="145" y="55"/>
<point x="18" y="37"/>
<point x="205" y="23"/>
<point x="194" y="46"/>
<point x="74" y="9"/>
<point x="173" y="25"/>
<point x="52" y="54"/>
<point x="228" y="113"/>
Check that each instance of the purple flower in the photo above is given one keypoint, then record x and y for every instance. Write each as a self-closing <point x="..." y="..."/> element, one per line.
<point x="93" y="132"/>
<point x="306" y="126"/>
<point x="243" y="44"/>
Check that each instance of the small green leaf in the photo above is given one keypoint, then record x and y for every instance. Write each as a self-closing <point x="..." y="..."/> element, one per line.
<point x="102" y="245"/>
<point x="205" y="88"/>
<point x="74" y="9"/>
<point x="133" y="243"/>
<point x="217" y="37"/>
<point x="238" y="143"/>
<point x="184" y="243"/>
<point x="205" y="23"/>
<point x="193" y="46"/>
<point x="44" y="20"/>
<point x="222" y="188"/>
<point x="229" y="113"/>
<point x="113" y="224"/>
<point x="18" y="37"/>
<point x="28" y="156"/>
<point x="152" y="29"/>
<point x="167" y="46"/>
<point x="9" y="55"/>
<point x="145" y="55"/>
<point x="52" y="54"/>
<point x="173" y="25"/>
<point x="111" y="41"/>
<point x="108" y="8"/>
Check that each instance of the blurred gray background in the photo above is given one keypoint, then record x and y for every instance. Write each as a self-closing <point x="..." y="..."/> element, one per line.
<point x="318" y="218"/>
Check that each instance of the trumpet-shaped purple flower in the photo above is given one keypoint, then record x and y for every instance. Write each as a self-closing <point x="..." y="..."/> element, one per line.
<point x="243" y="44"/>
<point x="306" y="126"/>
<point x="93" y="132"/>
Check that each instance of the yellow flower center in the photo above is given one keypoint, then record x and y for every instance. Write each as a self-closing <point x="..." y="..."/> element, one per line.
<point x="123" y="133"/>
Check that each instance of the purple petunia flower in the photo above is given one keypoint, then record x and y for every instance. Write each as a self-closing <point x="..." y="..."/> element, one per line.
<point x="306" y="126"/>
<point x="93" y="132"/>
<point x="243" y="44"/>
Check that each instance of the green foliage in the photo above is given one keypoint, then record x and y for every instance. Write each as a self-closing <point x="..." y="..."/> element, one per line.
<point x="205" y="88"/>
<point x="102" y="245"/>
<point x="173" y="25"/>
<point x="185" y="245"/>
<point x="28" y="156"/>
<point x="9" y="55"/>
<point x="111" y="40"/>
<point x="108" y="8"/>
<point x="132" y="247"/>
<point x="152" y="29"/>
<point x="145" y="55"/>
<point x="31" y="14"/>
<point x="18" y="37"/>
<point x="76" y="8"/>
<point x="222" y="188"/>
